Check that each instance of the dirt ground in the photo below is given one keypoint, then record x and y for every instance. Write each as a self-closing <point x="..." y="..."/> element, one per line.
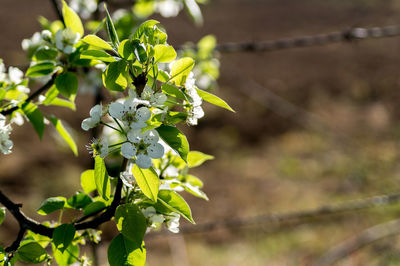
<point x="340" y="143"/>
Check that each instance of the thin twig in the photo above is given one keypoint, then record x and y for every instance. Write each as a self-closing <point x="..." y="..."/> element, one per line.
<point x="58" y="11"/>
<point x="33" y="96"/>
<point x="365" y="238"/>
<point x="347" y="35"/>
<point x="269" y="218"/>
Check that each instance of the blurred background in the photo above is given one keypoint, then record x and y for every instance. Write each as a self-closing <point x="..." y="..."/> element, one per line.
<point x="314" y="126"/>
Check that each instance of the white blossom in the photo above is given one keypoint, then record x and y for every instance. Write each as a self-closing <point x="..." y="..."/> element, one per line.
<point x="5" y="129"/>
<point x="15" y="75"/>
<point x="154" y="219"/>
<point x="66" y="39"/>
<point x="84" y="7"/>
<point x="127" y="178"/>
<point x="172" y="222"/>
<point x="33" y="42"/>
<point x="130" y="114"/>
<point x="128" y="150"/>
<point x="155" y="99"/>
<point x="95" y="116"/>
<point x="195" y="111"/>
<point x="168" y="8"/>
<point x="99" y="147"/>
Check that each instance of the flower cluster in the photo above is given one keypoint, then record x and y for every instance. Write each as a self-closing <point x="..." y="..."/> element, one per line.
<point x="84" y="7"/>
<point x="155" y="219"/>
<point x="195" y="111"/>
<point x="5" y="129"/>
<point x="66" y="39"/>
<point x="13" y="79"/>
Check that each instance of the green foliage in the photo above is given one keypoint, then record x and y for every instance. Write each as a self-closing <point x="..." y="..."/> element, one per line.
<point x="64" y="134"/>
<point x="175" y="203"/>
<point x="211" y="98"/>
<point x="115" y="77"/>
<point x="72" y="20"/>
<point x="131" y="222"/>
<point x="101" y="178"/>
<point x="68" y="257"/>
<point x="147" y="180"/>
<point x="67" y="84"/>
<point x="164" y="53"/>
<point x="35" y="116"/>
<point x="97" y="42"/>
<point x="97" y="55"/>
<point x="51" y="204"/>
<point x="197" y="158"/>
<point x="175" y="139"/>
<point x="88" y="183"/>
<point x="2" y="214"/>
<point x="32" y="252"/>
<point x="180" y="70"/>
<point x="112" y="33"/>
<point x="41" y="69"/>
<point x="79" y="200"/>
<point x="63" y="236"/>
<point x="123" y="252"/>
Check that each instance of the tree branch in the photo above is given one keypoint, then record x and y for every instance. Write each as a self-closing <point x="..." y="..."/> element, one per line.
<point x="58" y="11"/>
<point x="33" y="96"/>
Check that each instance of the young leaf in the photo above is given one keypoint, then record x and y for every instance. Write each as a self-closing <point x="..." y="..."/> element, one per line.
<point x="115" y="76"/>
<point x="87" y="181"/>
<point x="67" y="84"/>
<point x="64" y="134"/>
<point x="211" y="98"/>
<point x="175" y="139"/>
<point x="164" y="54"/>
<point x="94" y="207"/>
<point x="45" y="53"/>
<point x="196" y="158"/>
<point x="131" y="222"/>
<point x="132" y="49"/>
<point x="51" y="204"/>
<point x="147" y="180"/>
<point x="63" y="236"/>
<point x="173" y="91"/>
<point x="101" y="178"/>
<point x="123" y="252"/>
<point x="97" y="55"/>
<point x="41" y="69"/>
<point x="79" y="200"/>
<point x="176" y="203"/>
<point x="2" y="214"/>
<point x="142" y="28"/>
<point x="72" y="20"/>
<point x="32" y="252"/>
<point x="35" y="117"/>
<point x="112" y="33"/>
<point x="194" y="191"/>
<point x="97" y="42"/>
<point x="68" y="257"/>
<point x="194" y="11"/>
<point x="180" y="70"/>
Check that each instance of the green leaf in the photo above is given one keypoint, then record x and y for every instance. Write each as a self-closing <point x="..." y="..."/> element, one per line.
<point x="112" y="33"/>
<point x="175" y="139"/>
<point x="173" y="91"/>
<point x="97" y="55"/>
<point x="131" y="49"/>
<point x="115" y="76"/>
<point x="180" y="70"/>
<point x="131" y="222"/>
<point x="164" y="54"/>
<point x="196" y="158"/>
<point x="32" y="252"/>
<point x="41" y="69"/>
<point x="66" y="258"/>
<point x="63" y="103"/>
<point x="123" y="252"/>
<point x="94" y="207"/>
<point x="2" y="214"/>
<point x="194" y="191"/>
<point x="101" y="178"/>
<point x="87" y="181"/>
<point x="64" y="134"/>
<point x="194" y="11"/>
<point x="51" y="204"/>
<point x="97" y="42"/>
<point x="211" y="98"/>
<point x="63" y="236"/>
<point x="79" y="200"/>
<point x="147" y="180"/>
<point x="45" y="53"/>
<point x="72" y="20"/>
<point x="176" y="203"/>
<point x="35" y="116"/>
<point x="143" y="27"/>
<point x="67" y="84"/>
